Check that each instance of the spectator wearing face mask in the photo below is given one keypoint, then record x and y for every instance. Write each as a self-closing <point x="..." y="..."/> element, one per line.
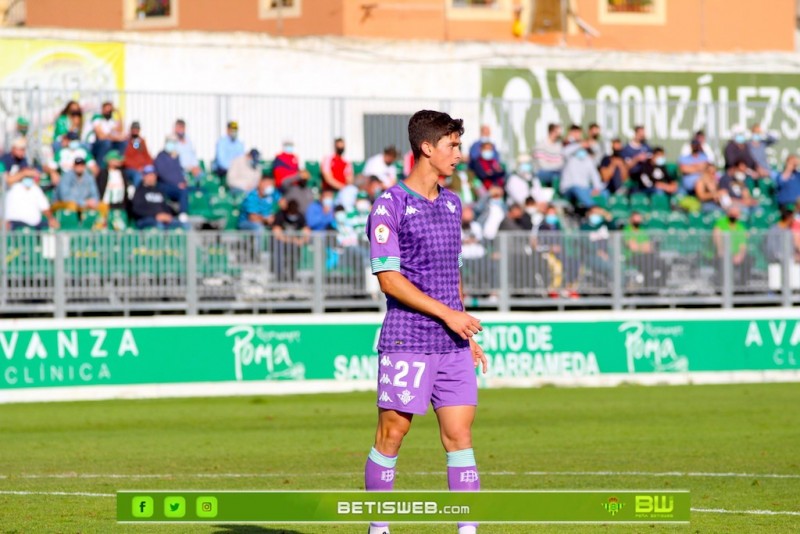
<point x="729" y="224"/>
<point x="229" y="147"/>
<point x="493" y="212"/>
<point x="562" y="268"/>
<point x="319" y="215"/>
<point x="186" y="152"/>
<point x="77" y="190"/>
<point x="286" y="166"/>
<point x="260" y="206"/>
<point x="594" y="249"/>
<point x="26" y="206"/>
<point x="245" y="173"/>
<point x="640" y="251"/>
<point x="112" y="184"/>
<point x="107" y="132"/>
<point x="702" y="147"/>
<point x="653" y="178"/>
<point x="149" y="205"/>
<point x="291" y="234"/>
<point x="692" y="166"/>
<point x="136" y="155"/>
<point x="69" y="120"/>
<point x="548" y="157"/>
<point x="613" y="170"/>
<point x="596" y="143"/>
<point x="706" y="190"/>
<point x="171" y="179"/>
<point x="488" y="168"/>
<point x="70" y="150"/>
<point x="637" y="151"/>
<point x="337" y="172"/>
<point x="524" y="184"/>
<point x="477" y="147"/>
<point x="758" y="144"/>
<point x="516" y="220"/>
<point x="737" y="150"/>
<point x="299" y="191"/>
<point x="733" y="190"/>
<point x="16" y="165"/>
<point x="580" y="179"/>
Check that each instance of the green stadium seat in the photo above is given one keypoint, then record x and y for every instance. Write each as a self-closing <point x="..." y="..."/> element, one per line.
<point x="601" y="201"/>
<point x="617" y="200"/>
<point x="677" y="221"/>
<point x="68" y="219"/>
<point x="660" y="203"/>
<point x="358" y="167"/>
<point x="315" y="173"/>
<point x="639" y="202"/>
<point x="90" y="219"/>
<point x="118" y="220"/>
<point x="266" y="168"/>
<point x="672" y="169"/>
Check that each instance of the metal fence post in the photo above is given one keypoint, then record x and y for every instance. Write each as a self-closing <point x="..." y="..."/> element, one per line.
<point x="503" y="304"/>
<point x="727" y="271"/>
<point x="191" y="273"/>
<point x="616" y="270"/>
<point x="318" y="299"/>
<point x="787" y="264"/>
<point x="59" y="277"/>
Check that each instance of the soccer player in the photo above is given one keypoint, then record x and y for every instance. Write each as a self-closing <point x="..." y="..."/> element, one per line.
<point x="426" y="351"/>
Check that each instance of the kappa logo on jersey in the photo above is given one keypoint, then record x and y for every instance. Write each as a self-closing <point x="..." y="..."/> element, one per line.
<point x="451" y="206"/>
<point x="411" y="210"/>
<point x="405" y="397"/>
<point x="387" y="476"/>
<point x="381" y="210"/>
<point x="385" y="397"/>
<point x="382" y="234"/>
<point x="385" y="379"/>
<point x="469" y="476"/>
<point x="387" y="195"/>
<point x="386" y="362"/>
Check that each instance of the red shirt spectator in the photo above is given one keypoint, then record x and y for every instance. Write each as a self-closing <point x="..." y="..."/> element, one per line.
<point x="286" y="166"/>
<point x="136" y="155"/>
<point x="336" y="171"/>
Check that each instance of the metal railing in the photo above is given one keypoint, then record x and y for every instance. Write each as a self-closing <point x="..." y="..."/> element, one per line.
<point x="63" y="273"/>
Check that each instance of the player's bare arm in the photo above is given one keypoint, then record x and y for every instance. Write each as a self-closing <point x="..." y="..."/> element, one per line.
<point x="395" y="285"/>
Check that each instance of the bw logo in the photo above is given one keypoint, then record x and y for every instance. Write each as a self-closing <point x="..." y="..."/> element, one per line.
<point x="659" y="504"/>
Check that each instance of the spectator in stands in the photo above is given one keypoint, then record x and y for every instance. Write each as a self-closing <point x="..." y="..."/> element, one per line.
<point x="245" y="172"/>
<point x="260" y="206"/>
<point x="487" y="167"/>
<point x="186" y="152"/>
<point x="562" y="269"/>
<point x="371" y="186"/>
<point x="382" y="166"/>
<point x="69" y="120"/>
<point x="707" y="189"/>
<point x="637" y="151"/>
<point x="112" y="185"/>
<point x="595" y="244"/>
<point x="737" y="149"/>
<point x="653" y="179"/>
<point x="759" y="142"/>
<point x="733" y="189"/>
<point x="228" y="148"/>
<point x="71" y="149"/>
<point x="336" y="171"/>
<point x="16" y="163"/>
<point x="493" y="214"/>
<point x="77" y="190"/>
<point x="319" y="215"/>
<point x="548" y="157"/>
<point x="21" y="130"/>
<point x="729" y="224"/>
<point x="524" y="184"/>
<point x="788" y="183"/>
<point x="477" y="147"/>
<point x="136" y="155"/>
<point x="286" y="166"/>
<point x="291" y="234"/>
<point x="776" y="237"/>
<point x="613" y="170"/>
<point x="300" y="192"/>
<point x="107" y="132"/>
<point x="641" y="252"/>
<point x="692" y="166"/>
<point x="171" y="179"/>
<point x="580" y="179"/>
<point x="149" y="205"/>
<point x="596" y="144"/>
<point x="26" y="206"/>
<point x="704" y="147"/>
<point x="516" y="220"/>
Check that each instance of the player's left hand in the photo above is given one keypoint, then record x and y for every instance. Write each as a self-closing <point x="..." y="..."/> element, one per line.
<point x="478" y="357"/>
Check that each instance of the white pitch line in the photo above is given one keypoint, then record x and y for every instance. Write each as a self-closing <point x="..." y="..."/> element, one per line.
<point x="697" y="474"/>
<point x="748" y="512"/>
<point x="58" y="493"/>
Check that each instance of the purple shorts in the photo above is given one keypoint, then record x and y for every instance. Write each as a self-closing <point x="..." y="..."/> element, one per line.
<point x="408" y="382"/>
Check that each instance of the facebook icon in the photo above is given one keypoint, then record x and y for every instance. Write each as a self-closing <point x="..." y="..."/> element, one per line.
<point x="142" y="507"/>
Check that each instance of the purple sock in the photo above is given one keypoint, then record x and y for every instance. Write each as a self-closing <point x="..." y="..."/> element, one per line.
<point x="379" y="475"/>
<point x="462" y="474"/>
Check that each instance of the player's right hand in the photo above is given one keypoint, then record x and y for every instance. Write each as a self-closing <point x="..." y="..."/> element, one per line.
<point x="463" y="324"/>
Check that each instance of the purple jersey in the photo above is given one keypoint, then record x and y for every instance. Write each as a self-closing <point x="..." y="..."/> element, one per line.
<point x="421" y="239"/>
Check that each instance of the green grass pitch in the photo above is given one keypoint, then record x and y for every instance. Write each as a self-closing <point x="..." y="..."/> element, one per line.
<point x="727" y="444"/>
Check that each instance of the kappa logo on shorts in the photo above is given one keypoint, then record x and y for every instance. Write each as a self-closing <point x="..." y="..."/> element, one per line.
<point x="451" y="206"/>
<point x="384" y="397"/>
<point x="469" y="476"/>
<point x="387" y="195"/>
<point x="380" y="210"/>
<point x="385" y="361"/>
<point x="385" y="379"/>
<point x="411" y="210"/>
<point x="405" y="397"/>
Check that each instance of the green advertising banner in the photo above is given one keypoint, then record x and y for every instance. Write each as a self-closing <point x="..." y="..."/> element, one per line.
<point x="670" y="105"/>
<point x="535" y="350"/>
<point x="625" y="506"/>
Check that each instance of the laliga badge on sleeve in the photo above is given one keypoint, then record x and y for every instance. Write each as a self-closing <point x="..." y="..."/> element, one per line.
<point x="382" y="234"/>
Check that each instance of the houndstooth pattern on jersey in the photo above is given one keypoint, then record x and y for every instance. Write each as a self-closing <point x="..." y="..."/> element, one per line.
<point x="426" y="237"/>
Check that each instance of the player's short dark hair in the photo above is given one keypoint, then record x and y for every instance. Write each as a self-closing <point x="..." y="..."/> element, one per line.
<point x="430" y="126"/>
